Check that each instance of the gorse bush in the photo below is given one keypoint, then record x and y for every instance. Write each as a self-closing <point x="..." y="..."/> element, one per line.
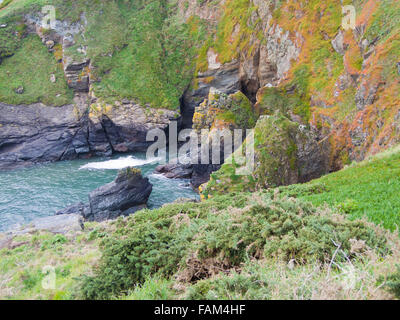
<point x="392" y="283"/>
<point x="235" y="286"/>
<point x="196" y="242"/>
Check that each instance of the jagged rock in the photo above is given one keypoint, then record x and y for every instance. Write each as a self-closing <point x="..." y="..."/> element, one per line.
<point x="210" y="113"/>
<point x="36" y="133"/>
<point x="197" y="173"/>
<point x="39" y="133"/>
<point x="285" y="153"/>
<point x="225" y="79"/>
<point x="281" y="50"/>
<point x="127" y="194"/>
<point x="77" y="74"/>
<point x="97" y="138"/>
<point x="358" y="136"/>
<point x="175" y="171"/>
<point x="126" y="125"/>
<point x="366" y="94"/>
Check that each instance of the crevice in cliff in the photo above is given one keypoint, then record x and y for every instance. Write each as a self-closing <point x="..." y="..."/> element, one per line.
<point x="186" y="112"/>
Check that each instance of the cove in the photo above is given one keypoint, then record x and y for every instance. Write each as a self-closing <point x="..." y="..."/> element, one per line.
<point x="41" y="190"/>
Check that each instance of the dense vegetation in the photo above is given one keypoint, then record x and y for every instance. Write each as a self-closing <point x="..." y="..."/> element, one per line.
<point x="140" y="50"/>
<point x="196" y="242"/>
<point x="265" y="244"/>
<point x="249" y="238"/>
<point x="33" y="73"/>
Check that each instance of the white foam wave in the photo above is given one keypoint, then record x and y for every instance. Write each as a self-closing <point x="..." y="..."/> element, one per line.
<point x="117" y="164"/>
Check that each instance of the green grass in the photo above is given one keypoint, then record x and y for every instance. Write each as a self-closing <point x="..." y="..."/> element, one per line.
<point x="153" y="64"/>
<point x="367" y="189"/>
<point x="23" y="269"/>
<point x="139" y="50"/>
<point x="31" y="67"/>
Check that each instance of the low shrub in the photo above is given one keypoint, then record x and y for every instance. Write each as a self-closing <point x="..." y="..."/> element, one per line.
<point x="197" y="242"/>
<point x="392" y="283"/>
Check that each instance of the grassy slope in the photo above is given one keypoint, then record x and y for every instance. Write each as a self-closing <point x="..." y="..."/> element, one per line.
<point x="160" y="238"/>
<point x="139" y="50"/>
<point x="21" y="269"/>
<point x="31" y="67"/>
<point x="367" y="189"/>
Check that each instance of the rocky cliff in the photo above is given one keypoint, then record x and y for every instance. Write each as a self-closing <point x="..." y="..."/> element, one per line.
<point x="297" y="59"/>
<point x="114" y="77"/>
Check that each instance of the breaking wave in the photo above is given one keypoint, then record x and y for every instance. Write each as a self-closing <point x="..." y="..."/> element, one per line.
<point x="117" y="164"/>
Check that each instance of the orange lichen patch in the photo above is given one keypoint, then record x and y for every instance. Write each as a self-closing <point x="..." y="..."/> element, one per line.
<point x="313" y="31"/>
<point x="367" y="11"/>
<point x="352" y="59"/>
<point x="341" y="143"/>
<point x="326" y="112"/>
<point x="389" y="105"/>
<point x="220" y="124"/>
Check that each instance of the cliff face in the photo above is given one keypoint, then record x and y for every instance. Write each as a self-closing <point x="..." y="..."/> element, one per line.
<point x="288" y="57"/>
<point x="90" y="84"/>
<point x="295" y="57"/>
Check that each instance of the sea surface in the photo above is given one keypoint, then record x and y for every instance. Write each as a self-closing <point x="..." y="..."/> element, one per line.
<point x="41" y="190"/>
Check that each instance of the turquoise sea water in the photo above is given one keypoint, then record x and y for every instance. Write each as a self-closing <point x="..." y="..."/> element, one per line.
<point x="41" y="190"/>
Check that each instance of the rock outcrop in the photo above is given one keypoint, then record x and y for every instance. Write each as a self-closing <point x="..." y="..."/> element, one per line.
<point x="37" y="133"/>
<point x="225" y="78"/>
<point x="124" y="125"/>
<point x="285" y="153"/>
<point x="127" y="194"/>
<point x="217" y="113"/>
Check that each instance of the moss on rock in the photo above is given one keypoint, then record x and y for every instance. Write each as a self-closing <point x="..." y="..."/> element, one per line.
<point x="285" y="153"/>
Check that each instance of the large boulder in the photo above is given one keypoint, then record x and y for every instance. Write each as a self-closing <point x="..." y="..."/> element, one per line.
<point x="128" y="193"/>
